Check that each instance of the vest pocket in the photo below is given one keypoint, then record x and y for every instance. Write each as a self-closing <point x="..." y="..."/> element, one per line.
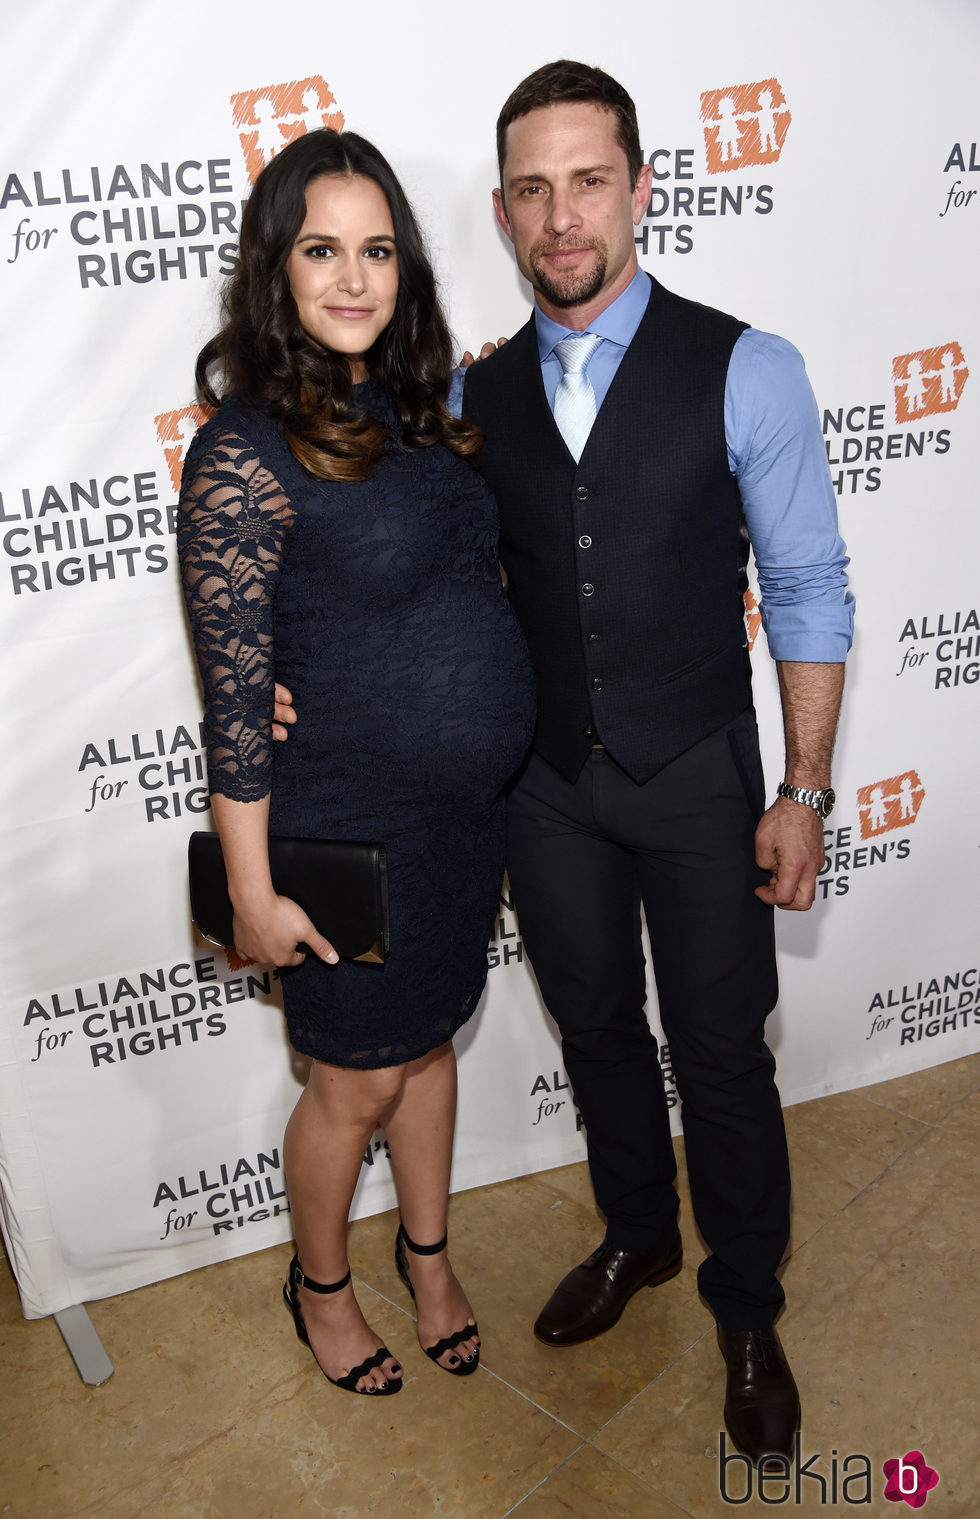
<point x="694" y="662"/>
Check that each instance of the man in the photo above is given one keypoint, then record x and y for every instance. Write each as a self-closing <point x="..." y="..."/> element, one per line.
<point x="622" y="468"/>
<point x="626" y="467"/>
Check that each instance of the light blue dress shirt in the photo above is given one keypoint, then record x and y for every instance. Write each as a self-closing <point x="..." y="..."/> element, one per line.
<point x="776" y="453"/>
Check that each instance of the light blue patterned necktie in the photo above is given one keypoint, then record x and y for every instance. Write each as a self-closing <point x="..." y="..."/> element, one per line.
<point x="575" y="398"/>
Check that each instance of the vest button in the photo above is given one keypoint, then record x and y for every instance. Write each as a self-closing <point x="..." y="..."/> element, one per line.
<point x="593" y="638"/>
<point x="585" y="542"/>
<point x="582" y="492"/>
<point x="588" y="589"/>
<point x="587" y="733"/>
<point x="597" y="683"/>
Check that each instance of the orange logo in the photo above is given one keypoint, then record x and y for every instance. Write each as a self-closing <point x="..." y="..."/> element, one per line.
<point x="744" y="124"/>
<point x="929" y="381"/>
<point x="175" y="429"/>
<point x="753" y="618"/>
<point x="270" y="117"/>
<point x="890" y="804"/>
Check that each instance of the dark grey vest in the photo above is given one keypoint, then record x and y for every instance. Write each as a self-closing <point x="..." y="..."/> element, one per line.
<point x="626" y="570"/>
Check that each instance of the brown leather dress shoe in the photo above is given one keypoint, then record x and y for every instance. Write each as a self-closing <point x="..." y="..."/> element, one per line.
<point x="590" y="1299"/>
<point x="762" y="1405"/>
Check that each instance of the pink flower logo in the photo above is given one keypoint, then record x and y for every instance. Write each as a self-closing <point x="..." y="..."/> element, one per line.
<point x="910" y="1480"/>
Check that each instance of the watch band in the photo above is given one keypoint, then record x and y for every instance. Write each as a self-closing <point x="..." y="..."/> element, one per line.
<point x="822" y="800"/>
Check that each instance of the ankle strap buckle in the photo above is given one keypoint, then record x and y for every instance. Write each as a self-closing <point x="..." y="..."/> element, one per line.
<point x="298" y="1278"/>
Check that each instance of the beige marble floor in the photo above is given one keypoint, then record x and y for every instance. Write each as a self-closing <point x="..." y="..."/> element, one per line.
<point x="215" y="1411"/>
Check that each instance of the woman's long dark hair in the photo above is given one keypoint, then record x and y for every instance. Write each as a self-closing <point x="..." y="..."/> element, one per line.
<point x="262" y="351"/>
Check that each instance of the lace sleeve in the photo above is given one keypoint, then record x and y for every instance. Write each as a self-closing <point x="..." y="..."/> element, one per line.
<point x="232" y="522"/>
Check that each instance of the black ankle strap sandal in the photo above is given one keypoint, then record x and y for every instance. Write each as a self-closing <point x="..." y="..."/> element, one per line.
<point x="450" y="1342"/>
<point x="298" y="1278"/>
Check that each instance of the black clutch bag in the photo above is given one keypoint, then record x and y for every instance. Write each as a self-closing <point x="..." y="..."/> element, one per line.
<point x="340" y="885"/>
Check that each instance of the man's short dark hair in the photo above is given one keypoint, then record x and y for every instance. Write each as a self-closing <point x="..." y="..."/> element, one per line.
<point x="568" y="83"/>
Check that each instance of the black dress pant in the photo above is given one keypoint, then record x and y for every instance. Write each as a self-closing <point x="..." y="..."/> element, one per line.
<point x="582" y="857"/>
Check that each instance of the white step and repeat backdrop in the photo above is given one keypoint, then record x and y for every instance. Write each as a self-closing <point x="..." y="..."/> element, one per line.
<point x="815" y="172"/>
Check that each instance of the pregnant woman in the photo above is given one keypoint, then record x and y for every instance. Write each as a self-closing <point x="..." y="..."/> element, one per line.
<point x="334" y="537"/>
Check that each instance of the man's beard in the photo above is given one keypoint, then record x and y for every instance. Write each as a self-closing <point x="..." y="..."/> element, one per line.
<point x="570" y="289"/>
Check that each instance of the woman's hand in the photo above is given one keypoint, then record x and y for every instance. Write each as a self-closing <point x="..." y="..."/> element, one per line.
<point x="269" y="931"/>
<point x="283" y="713"/>
<point x="485" y="352"/>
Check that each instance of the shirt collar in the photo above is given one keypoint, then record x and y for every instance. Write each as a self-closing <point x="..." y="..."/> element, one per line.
<point x="617" y="323"/>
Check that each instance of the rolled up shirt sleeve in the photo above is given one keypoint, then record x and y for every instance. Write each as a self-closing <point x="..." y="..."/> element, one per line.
<point x="776" y="452"/>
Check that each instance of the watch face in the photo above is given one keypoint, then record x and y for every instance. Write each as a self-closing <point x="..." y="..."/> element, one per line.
<point x="827" y="802"/>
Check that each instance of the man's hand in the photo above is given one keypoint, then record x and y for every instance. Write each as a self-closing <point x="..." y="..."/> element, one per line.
<point x="789" y="838"/>
<point x="283" y="713"/>
<point x="789" y="844"/>
<point x="485" y="352"/>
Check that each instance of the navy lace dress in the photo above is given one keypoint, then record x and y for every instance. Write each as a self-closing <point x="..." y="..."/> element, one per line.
<point x="379" y="605"/>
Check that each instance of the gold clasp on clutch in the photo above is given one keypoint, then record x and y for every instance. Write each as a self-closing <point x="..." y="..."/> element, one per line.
<point x="375" y="955"/>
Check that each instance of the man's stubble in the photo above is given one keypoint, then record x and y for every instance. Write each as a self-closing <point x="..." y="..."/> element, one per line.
<point x="572" y="289"/>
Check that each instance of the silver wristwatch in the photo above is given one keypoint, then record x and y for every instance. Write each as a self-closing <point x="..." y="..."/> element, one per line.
<point x="822" y="801"/>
